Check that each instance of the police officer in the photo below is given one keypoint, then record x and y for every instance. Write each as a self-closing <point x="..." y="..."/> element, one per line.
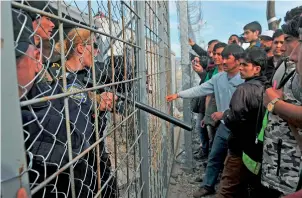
<point x="79" y="59"/>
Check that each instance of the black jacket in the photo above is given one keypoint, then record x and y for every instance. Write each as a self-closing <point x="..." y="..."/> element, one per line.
<point x="245" y="115"/>
<point x="270" y="68"/>
<point x="46" y="138"/>
<point x="201" y="52"/>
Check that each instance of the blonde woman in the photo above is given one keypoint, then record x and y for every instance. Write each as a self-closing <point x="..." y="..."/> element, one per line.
<point x="79" y="57"/>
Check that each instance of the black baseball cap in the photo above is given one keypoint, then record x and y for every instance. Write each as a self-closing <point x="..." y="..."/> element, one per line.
<point x="41" y="5"/>
<point x="23" y="31"/>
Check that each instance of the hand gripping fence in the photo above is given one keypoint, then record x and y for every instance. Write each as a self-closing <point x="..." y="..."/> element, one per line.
<point x="92" y="78"/>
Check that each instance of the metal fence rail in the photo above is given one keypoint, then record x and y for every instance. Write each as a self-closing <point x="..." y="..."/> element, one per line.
<point x="80" y="139"/>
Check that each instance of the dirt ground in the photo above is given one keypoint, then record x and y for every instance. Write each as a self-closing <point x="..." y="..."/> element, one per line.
<point x="182" y="182"/>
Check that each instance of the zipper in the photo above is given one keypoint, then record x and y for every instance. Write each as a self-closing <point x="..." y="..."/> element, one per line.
<point x="279" y="146"/>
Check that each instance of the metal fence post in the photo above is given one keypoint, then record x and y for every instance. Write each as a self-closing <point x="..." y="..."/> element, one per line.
<point x="66" y="105"/>
<point x="173" y="81"/>
<point x="142" y="116"/>
<point x="163" y="93"/>
<point x="186" y="79"/>
<point x="13" y="163"/>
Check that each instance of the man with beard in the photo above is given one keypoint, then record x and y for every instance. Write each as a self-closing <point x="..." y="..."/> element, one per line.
<point x="266" y="40"/>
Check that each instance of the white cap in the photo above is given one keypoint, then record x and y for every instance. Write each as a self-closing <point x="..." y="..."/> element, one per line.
<point x="268" y="33"/>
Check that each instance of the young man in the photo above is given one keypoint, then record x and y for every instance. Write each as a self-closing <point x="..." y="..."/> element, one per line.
<point x="223" y="85"/>
<point x="251" y="33"/>
<point x="207" y="124"/>
<point x="296" y="55"/>
<point x="272" y="62"/>
<point x="278" y="40"/>
<point x="290" y="42"/>
<point x="282" y="143"/>
<point x="201" y="52"/>
<point x="211" y="106"/>
<point x="243" y="120"/>
<point x="204" y="71"/>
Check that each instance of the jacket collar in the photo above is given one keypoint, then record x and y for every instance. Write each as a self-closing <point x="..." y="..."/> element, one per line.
<point x="262" y="79"/>
<point x="257" y="43"/>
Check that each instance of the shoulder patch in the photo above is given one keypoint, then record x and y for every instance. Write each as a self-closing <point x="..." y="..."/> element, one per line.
<point x="81" y="97"/>
<point x="56" y="65"/>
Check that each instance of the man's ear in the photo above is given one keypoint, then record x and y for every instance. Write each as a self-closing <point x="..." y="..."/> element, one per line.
<point x="38" y="58"/>
<point x="257" y="32"/>
<point x="258" y="70"/>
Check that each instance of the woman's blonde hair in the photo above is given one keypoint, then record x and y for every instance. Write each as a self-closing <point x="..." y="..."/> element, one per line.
<point x="74" y="37"/>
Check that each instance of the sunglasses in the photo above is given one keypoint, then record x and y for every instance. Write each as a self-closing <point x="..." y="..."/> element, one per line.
<point x="95" y="46"/>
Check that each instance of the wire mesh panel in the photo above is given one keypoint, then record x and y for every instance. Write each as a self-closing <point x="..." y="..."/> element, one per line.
<point x="79" y="76"/>
<point x="158" y="85"/>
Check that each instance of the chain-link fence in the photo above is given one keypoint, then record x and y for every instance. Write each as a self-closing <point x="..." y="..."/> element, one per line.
<point x="82" y="68"/>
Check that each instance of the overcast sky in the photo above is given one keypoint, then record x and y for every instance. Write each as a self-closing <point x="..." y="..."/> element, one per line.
<point x="224" y="18"/>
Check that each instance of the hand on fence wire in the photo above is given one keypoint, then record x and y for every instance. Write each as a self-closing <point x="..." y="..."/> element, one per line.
<point x="172" y="97"/>
<point x="191" y="42"/>
<point x="105" y="100"/>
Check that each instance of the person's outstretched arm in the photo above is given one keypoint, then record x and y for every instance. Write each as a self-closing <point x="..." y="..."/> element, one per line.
<point x="194" y="92"/>
<point x="197" y="49"/>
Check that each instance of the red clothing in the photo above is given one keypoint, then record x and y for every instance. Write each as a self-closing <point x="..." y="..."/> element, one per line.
<point x="295" y="195"/>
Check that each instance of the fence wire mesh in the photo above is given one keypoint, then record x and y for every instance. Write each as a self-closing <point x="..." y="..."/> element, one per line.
<point x="79" y="76"/>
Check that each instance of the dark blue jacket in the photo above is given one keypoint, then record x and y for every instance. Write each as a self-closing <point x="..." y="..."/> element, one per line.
<point x="44" y="127"/>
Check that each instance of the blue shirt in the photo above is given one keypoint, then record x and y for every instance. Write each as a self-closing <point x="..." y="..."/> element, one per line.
<point x="222" y="87"/>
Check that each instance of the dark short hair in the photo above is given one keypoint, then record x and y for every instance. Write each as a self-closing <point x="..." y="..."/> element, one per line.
<point x="234" y="50"/>
<point x="234" y="35"/>
<point x="292" y="27"/>
<point x="212" y="41"/>
<point x="219" y="45"/>
<point x="292" y="13"/>
<point x="277" y="33"/>
<point x="253" y="26"/>
<point x="256" y="56"/>
<point x="41" y="5"/>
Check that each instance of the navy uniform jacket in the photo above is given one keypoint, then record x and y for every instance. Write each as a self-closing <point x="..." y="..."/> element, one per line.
<point x="46" y="138"/>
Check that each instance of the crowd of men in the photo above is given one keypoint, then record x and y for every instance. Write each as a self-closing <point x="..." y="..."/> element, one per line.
<point x="44" y="123"/>
<point x="249" y="104"/>
<point x="250" y="112"/>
